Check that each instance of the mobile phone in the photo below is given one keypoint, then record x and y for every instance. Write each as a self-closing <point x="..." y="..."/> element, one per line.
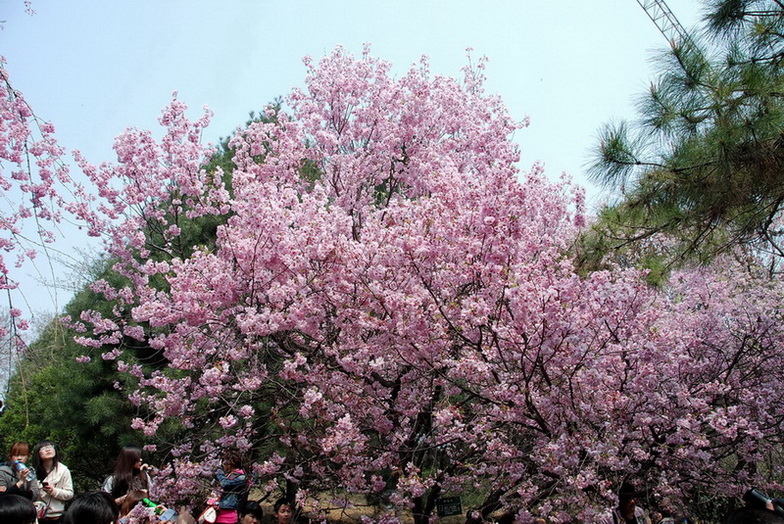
<point x="168" y="515"/>
<point x="45" y="484"/>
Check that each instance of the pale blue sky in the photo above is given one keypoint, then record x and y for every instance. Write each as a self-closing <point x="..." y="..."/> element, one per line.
<point x="95" y="67"/>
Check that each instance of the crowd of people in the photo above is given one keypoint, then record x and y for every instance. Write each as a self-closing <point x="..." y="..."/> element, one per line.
<point x="46" y="482"/>
<point x="36" y="488"/>
<point x="39" y="493"/>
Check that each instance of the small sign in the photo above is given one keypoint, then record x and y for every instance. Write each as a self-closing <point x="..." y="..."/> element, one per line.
<point x="446" y="506"/>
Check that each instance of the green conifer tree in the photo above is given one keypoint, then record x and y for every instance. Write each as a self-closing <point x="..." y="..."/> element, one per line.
<point x="704" y="164"/>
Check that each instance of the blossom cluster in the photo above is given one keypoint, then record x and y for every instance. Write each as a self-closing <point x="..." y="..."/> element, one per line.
<point x="389" y="307"/>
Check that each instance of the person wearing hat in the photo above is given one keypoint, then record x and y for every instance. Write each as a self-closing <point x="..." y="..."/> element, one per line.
<point x="628" y="512"/>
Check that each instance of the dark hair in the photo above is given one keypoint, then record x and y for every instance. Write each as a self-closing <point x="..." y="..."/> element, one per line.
<point x="132" y="498"/>
<point x="125" y="472"/>
<point x="96" y="507"/>
<point x="626" y="492"/>
<point x="282" y="501"/>
<point x="252" y="507"/>
<point x="15" y="509"/>
<point x="38" y="463"/>
<point x="753" y="516"/>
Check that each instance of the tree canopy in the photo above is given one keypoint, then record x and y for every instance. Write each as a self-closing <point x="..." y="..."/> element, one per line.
<point x="390" y="308"/>
<point x="368" y="297"/>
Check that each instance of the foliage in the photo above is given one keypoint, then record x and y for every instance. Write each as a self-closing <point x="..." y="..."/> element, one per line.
<point x="80" y="406"/>
<point x="58" y="392"/>
<point x="703" y="165"/>
<point x="374" y="300"/>
<point x="388" y="309"/>
<point x="51" y="395"/>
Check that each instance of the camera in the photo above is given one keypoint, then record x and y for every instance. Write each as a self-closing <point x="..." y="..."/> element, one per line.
<point x="756" y="499"/>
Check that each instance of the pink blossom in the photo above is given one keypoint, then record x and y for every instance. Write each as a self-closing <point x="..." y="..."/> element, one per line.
<point x="228" y="422"/>
<point x="388" y="297"/>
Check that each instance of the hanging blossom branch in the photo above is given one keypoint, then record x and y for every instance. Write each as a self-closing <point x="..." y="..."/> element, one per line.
<point x="40" y="194"/>
<point x="33" y="180"/>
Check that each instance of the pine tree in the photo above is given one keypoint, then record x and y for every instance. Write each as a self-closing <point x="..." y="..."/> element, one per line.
<point x="78" y="405"/>
<point x="704" y="164"/>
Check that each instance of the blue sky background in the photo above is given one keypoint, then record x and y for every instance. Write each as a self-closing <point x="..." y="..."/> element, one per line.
<point x="94" y="68"/>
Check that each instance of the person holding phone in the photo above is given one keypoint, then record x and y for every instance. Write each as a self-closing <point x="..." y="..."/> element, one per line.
<point x="56" y="483"/>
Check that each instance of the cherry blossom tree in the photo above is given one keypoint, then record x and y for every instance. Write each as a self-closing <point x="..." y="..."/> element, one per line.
<point x="388" y="307"/>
